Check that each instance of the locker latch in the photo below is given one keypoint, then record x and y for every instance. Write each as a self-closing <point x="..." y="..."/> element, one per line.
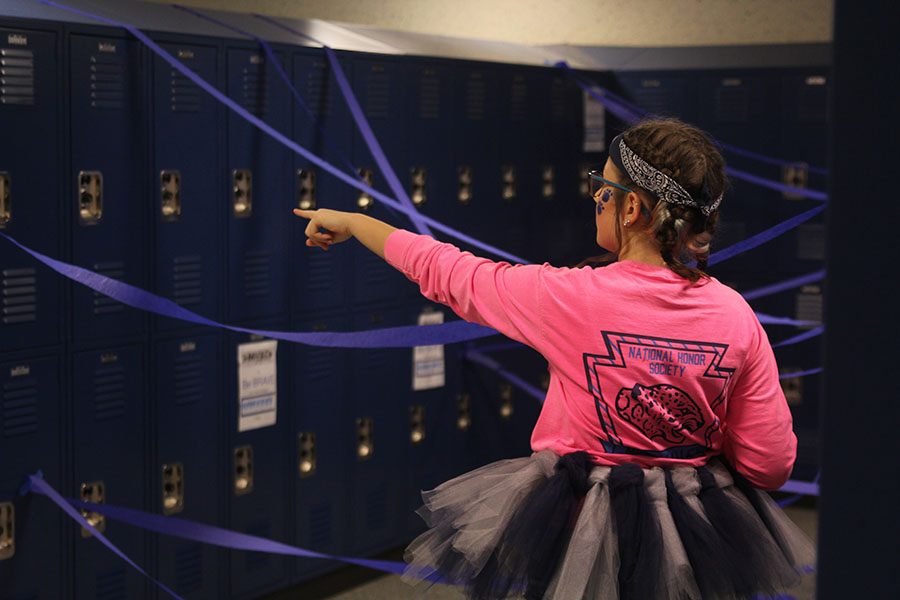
<point x="95" y="493"/>
<point x="90" y="197"/>
<point x="306" y="189"/>
<point x="463" y="412"/>
<point x="416" y="424"/>
<point x="508" y="178"/>
<point x="506" y="401"/>
<point x="464" y="188"/>
<point x="172" y="488"/>
<point x="795" y="175"/>
<point x="242" y="188"/>
<point x="243" y="470"/>
<point x="7" y="530"/>
<point x="365" y="438"/>
<point x="306" y="453"/>
<point x="5" y="202"/>
<point x="170" y="195"/>
<point x="365" y="201"/>
<point x="418" y="176"/>
<point x="548" y="177"/>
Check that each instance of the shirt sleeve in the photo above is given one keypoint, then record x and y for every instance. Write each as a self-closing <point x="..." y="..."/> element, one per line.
<point x="759" y="436"/>
<point x="496" y="294"/>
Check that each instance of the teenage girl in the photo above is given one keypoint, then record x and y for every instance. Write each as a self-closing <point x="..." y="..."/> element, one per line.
<point x="664" y="417"/>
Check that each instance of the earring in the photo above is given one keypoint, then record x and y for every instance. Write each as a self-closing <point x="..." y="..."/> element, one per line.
<point x="627" y="221"/>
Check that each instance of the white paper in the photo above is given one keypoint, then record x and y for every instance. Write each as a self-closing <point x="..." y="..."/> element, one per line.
<point x="257" y="384"/>
<point x="428" y="361"/>
<point x="594" y="124"/>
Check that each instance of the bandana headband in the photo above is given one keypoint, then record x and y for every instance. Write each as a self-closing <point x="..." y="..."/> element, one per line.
<point x="652" y="179"/>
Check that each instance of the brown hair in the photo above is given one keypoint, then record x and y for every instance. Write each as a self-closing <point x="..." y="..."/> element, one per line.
<point x="687" y="155"/>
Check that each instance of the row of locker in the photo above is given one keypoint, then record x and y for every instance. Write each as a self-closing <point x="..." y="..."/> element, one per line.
<point x="125" y="167"/>
<point x="157" y="427"/>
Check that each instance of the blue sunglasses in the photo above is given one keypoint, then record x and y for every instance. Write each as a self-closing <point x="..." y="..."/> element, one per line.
<point x="598" y="181"/>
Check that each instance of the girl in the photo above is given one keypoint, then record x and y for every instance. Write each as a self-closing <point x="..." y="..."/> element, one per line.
<point x="664" y="416"/>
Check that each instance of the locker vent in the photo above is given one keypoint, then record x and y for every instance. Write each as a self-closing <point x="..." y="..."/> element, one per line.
<point x="16" y="76"/>
<point x="376" y="509"/>
<point x="813" y="100"/>
<point x="258" y="560"/>
<point x="374" y="272"/>
<point x="253" y="89"/>
<point x="19" y="296"/>
<point x="430" y="95"/>
<point x="518" y="99"/>
<point x="257" y="274"/>
<point x="657" y="99"/>
<point x="320" y="275"/>
<point x="811" y="242"/>
<point x="378" y="94"/>
<point x="809" y="304"/>
<point x="109" y="392"/>
<point x="107" y="81"/>
<point x="111" y="585"/>
<point x="476" y="95"/>
<point x="188" y="568"/>
<point x="317" y="90"/>
<point x="732" y="104"/>
<point x="19" y="414"/>
<point x="104" y="305"/>
<point x="189" y="382"/>
<point x="185" y="93"/>
<point x="320" y="363"/>
<point x="320" y="525"/>
<point x="557" y="101"/>
<point x="186" y="272"/>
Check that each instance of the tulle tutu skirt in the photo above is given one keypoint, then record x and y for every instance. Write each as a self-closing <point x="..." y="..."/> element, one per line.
<point x="562" y="528"/>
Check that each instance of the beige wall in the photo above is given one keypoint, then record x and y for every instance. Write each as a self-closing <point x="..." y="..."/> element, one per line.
<point x="582" y="22"/>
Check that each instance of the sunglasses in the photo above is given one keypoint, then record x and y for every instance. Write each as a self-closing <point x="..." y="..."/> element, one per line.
<point x="598" y="182"/>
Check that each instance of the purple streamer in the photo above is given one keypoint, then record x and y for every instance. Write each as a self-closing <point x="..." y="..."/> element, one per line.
<point x="38" y="485"/>
<point x="490" y="363"/>
<point x="390" y="337"/>
<point x="784" y="285"/>
<point x="770" y="320"/>
<point x="361" y="122"/>
<point x="765" y="236"/>
<point x="795" y="374"/>
<point x="815" y="332"/>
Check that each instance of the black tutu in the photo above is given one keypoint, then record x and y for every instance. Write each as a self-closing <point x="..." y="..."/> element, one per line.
<point x="562" y="528"/>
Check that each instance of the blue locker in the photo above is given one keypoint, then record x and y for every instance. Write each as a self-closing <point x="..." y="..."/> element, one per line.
<point x="186" y="189"/>
<point x="320" y="436"/>
<point x="185" y="476"/>
<point x="30" y="191"/>
<point x="474" y="98"/>
<point x="379" y="86"/>
<point x="519" y="152"/>
<point x="258" y="476"/>
<point x="31" y="413"/>
<point x="380" y="436"/>
<point x="259" y="205"/>
<point x="439" y="427"/>
<point x="321" y="280"/>
<point x="430" y="173"/>
<point x="108" y="457"/>
<point x="107" y="144"/>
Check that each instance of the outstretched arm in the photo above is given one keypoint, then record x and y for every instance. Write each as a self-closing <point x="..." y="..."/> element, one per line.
<point x="341" y="226"/>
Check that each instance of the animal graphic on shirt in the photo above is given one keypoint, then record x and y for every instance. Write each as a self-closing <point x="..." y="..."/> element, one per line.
<point x="659" y="411"/>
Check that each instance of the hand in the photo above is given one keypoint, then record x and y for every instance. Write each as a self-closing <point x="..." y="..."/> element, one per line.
<point x="335" y="223"/>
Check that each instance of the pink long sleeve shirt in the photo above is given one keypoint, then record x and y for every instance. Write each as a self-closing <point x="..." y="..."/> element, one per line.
<point x="645" y="367"/>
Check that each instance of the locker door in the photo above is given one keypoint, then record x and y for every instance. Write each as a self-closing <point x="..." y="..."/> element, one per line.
<point x="30" y="187"/>
<point x="108" y="219"/>
<point x="258" y="474"/>
<point x="185" y="476"/>
<point x="258" y="201"/>
<point x="321" y="280"/>
<point x="108" y="460"/>
<point x="31" y="551"/>
<point x="380" y="88"/>
<point x="186" y="194"/>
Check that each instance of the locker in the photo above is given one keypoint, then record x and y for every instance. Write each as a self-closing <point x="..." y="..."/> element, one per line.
<point x="258" y="201"/>
<point x="257" y="477"/>
<point x="186" y="191"/>
<point x="107" y="148"/>
<point x="184" y="473"/>
<point x="108" y="456"/>
<point x="31" y="534"/>
<point x="321" y="280"/>
<point x="30" y="100"/>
